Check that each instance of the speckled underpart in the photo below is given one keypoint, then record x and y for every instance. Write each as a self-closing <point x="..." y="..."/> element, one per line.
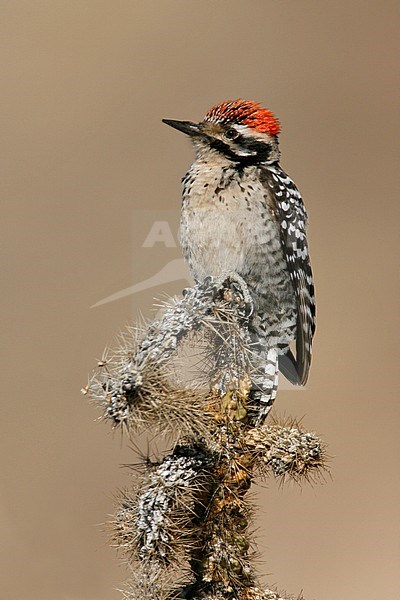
<point x="228" y="225"/>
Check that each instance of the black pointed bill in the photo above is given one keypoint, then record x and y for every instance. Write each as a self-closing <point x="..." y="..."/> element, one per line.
<point x="187" y="127"/>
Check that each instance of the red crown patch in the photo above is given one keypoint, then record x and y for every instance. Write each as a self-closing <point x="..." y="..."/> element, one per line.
<point x="245" y="112"/>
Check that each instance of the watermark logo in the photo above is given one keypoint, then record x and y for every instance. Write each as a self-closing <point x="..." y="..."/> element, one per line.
<point x="156" y="251"/>
<point x="160" y="233"/>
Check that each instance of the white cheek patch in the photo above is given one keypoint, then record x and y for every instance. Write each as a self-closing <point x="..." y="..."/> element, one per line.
<point x="245" y="152"/>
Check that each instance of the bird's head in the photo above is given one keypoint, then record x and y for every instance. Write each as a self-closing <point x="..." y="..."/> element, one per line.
<point x="239" y="130"/>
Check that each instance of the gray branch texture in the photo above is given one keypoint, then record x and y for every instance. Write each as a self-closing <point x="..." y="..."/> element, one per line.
<point x="197" y="375"/>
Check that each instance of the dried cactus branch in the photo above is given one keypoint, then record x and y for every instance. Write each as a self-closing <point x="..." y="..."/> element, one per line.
<point x="189" y="518"/>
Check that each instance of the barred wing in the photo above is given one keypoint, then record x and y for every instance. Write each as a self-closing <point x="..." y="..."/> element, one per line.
<point x="292" y="218"/>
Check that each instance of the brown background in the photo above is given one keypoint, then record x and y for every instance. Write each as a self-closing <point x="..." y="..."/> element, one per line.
<point x="84" y="87"/>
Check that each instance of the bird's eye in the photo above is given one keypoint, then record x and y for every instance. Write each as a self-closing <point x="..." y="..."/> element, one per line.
<point x="231" y="134"/>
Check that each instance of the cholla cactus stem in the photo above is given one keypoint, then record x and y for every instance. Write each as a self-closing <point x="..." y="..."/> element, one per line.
<point x="189" y="517"/>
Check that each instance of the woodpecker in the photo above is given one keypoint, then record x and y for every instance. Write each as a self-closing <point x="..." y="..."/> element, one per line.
<point x="241" y="213"/>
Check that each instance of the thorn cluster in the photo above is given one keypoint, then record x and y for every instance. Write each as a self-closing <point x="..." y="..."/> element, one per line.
<point x="286" y="450"/>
